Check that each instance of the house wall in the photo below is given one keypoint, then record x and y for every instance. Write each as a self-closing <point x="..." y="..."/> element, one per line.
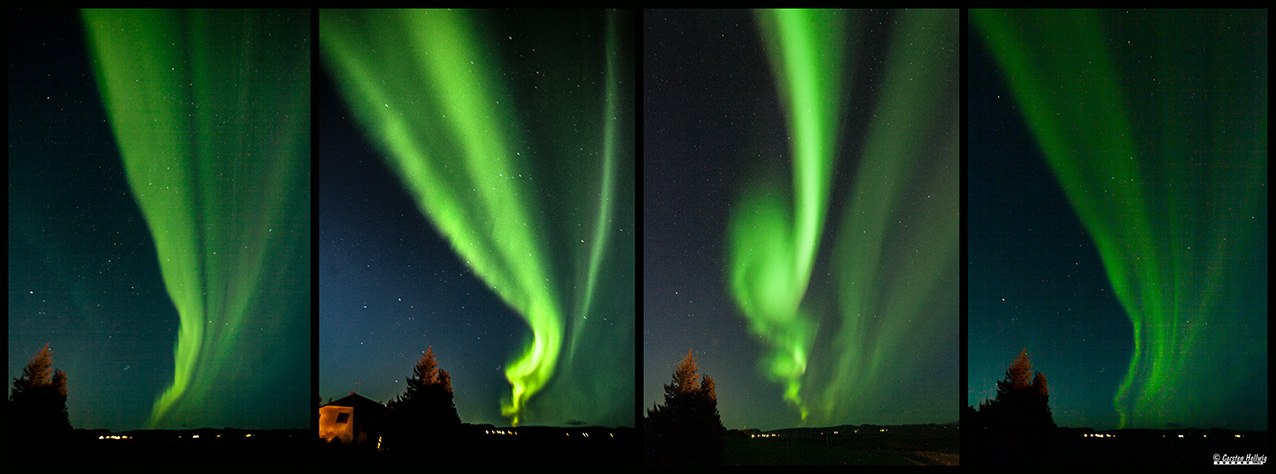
<point x="329" y="428"/>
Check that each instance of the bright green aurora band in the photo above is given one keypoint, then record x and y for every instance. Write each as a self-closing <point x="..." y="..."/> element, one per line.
<point x="211" y="112"/>
<point x="896" y="249"/>
<point x="1155" y="123"/>
<point x="520" y="172"/>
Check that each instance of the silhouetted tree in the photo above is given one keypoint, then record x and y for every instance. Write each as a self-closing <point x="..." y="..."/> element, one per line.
<point x="425" y="412"/>
<point x="687" y="428"/>
<point x="1023" y="400"/>
<point x="1017" y="424"/>
<point x="38" y="420"/>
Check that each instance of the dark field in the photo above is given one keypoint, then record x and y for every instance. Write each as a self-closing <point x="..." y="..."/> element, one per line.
<point x="864" y="445"/>
<point x="488" y="445"/>
<point x="186" y="447"/>
<point x="1086" y="447"/>
<point x="475" y="446"/>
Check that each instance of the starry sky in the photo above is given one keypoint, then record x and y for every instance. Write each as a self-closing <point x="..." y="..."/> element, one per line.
<point x="685" y="302"/>
<point x="1036" y="278"/>
<point x="713" y="124"/>
<point x="82" y="271"/>
<point x="84" y="276"/>
<point x="391" y="280"/>
<point x="390" y="286"/>
<point x="1117" y="194"/>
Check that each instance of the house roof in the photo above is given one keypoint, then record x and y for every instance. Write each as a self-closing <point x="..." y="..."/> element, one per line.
<point x="356" y="401"/>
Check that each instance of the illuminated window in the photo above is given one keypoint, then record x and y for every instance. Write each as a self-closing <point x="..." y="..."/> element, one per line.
<point x="342" y="417"/>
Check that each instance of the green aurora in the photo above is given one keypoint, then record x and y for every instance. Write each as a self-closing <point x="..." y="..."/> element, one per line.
<point x="772" y="247"/>
<point x="894" y="255"/>
<point x="530" y="202"/>
<point x="211" y="113"/>
<point x="1155" y="124"/>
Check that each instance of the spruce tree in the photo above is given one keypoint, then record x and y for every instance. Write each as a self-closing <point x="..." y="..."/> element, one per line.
<point x="687" y="428"/>
<point x="425" y="411"/>
<point x="38" y="419"/>
<point x="1023" y="400"/>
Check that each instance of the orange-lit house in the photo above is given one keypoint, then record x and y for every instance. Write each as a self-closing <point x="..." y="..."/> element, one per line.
<point x="354" y="419"/>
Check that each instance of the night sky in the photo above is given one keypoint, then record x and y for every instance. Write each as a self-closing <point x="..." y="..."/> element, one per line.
<point x="392" y="282"/>
<point x="1041" y="285"/>
<point x="389" y="286"/>
<point x="82" y="271"/>
<point x="713" y="126"/>
<point x="84" y="275"/>
<point x="687" y="182"/>
<point x="1062" y="257"/>
<point x="1118" y="194"/>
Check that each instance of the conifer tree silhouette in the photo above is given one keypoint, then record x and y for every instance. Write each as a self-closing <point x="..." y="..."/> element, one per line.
<point x="38" y="421"/>
<point x="1022" y="403"/>
<point x="687" y="428"/>
<point x="424" y="412"/>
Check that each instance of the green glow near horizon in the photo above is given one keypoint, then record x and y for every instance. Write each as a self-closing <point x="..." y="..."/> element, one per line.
<point x="217" y="155"/>
<point x="430" y="88"/>
<point x="773" y="243"/>
<point x="1159" y="140"/>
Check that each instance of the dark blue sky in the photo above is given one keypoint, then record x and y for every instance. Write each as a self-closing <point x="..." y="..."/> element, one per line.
<point x="391" y="285"/>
